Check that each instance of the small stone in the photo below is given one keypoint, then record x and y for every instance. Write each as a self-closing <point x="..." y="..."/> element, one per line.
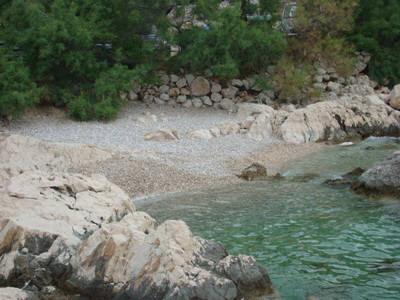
<point x="165" y="78"/>
<point x="202" y="134"/>
<point x="333" y="87"/>
<point x="216" y="88"/>
<point x="230" y="92"/>
<point x="229" y="128"/>
<point x="237" y="82"/>
<point x="158" y="101"/>
<point x="133" y="96"/>
<point x="181" y="99"/>
<point x="148" y="99"/>
<point x="215" y="132"/>
<point x="197" y="102"/>
<point x="189" y="78"/>
<point x="123" y="96"/>
<point x="174" y="92"/>
<point x="246" y="124"/>
<point x="185" y="92"/>
<point x="187" y="104"/>
<point x="206" y="101"/>
<point x="173" y="78"/>
<point x="227" y="104"/>
<point x="253" y="171"/>
<point x="161" y="135"/>
<point x="246" y="84"/>
<point x="164" y="89"/>
<point x="216" y="97"/>
<point x="181" y="83"/>
<point x="164" y="97"/>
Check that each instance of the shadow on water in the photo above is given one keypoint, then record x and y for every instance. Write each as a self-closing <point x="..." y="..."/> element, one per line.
<point x="313" y="239"/>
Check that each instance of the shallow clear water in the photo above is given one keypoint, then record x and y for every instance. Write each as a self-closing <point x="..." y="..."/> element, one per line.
<point x="313" y="239"/>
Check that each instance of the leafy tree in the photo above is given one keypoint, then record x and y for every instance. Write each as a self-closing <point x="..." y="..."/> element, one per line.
<point x="231" y="47"/>
<point x="377" y="31"/>
<point x="320" y="39"/>
<point x="17" y="91"/>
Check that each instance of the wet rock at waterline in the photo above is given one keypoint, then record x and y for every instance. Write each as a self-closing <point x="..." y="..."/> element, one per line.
<point x="346" y="179"/>
<point x="383" y="178"/>
<point x="81" y="234"/>
<point x="253" y="171"/>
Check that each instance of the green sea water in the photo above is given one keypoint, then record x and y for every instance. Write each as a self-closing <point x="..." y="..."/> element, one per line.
<point x="312" y="238"/>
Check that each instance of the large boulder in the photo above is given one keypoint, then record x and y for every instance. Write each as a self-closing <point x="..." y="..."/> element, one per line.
<point x="395" y="97"/>
<point x="82" y="235"/>
<point x="200" y="87"/>
<point x="383" y="178"/>
<point x="335" y="120"/>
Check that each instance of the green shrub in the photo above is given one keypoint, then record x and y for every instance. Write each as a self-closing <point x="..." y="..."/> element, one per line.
<point x="230" y="48"/>
<point x="377" y="31"/>
<point x="17" y="91"/>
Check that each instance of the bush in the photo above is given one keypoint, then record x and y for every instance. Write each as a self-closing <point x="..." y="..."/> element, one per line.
<point x="232" y="46"/>
<point x="377" y="31"/>
<point x="75" y="50"/>
<point x="17" y="91"/>
<point x="320" y="40"/>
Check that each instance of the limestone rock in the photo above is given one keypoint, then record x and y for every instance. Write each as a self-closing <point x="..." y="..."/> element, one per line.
<point x="161" y="135"/>
<point x="200" y="87"/>
<point x="251" y="109"/>
<point x="255" y="170"/>
<point x="202" y="134"/>
<point x="164" y="97"/>
<point x="189" y="78"/>
<point x="174" y="92"/>
<point x="229" y="128"/>
<point x="173" y="78"/>
<point x="227" y="104"/>
<point x="181" y="99"/>
<point x="164" y="89"/>
<point x="188" y="104"/>
<point x="216" y="132"/>
<point x="197" y="102"/>
<point x="333" y="87"/>
<point x="216" y="88"/>
<point x="230" y="92"/>
<point x="16" y="294"/>
<point x="335" y="120"/>
<point x="181" y="83"/>
<point x="133" y="96"/>
<point x="237" y="83"/>
<point x="395" y="97"/>
<point x="374" y="100"/>
<point x="216" y="97"/>
<point x="261" y="127"/>
<point x="206" y="101"/>
<point x="383" y="178"/>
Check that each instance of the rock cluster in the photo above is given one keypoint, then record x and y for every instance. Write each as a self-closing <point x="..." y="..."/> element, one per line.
<point x="82" y="235"/>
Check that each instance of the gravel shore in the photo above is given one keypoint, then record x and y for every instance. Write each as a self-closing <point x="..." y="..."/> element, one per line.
<point x="143" y="167"/>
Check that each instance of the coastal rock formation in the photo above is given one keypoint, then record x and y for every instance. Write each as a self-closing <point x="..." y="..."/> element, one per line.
<point x="335" y="120"/>
<point x="82" y="235"/>
<point x="383" y="178"/>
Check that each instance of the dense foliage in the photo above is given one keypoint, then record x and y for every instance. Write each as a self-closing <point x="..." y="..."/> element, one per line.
<point x="320" y="40"/>
<point x="82" y="54"/>
<point x="377" y="31"/>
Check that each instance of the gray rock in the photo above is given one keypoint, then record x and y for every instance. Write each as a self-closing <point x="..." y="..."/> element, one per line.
<point x="216" y="97"/>
<point x="227" y="104"/>
<point x="164" y="89"/>
<point x="200" y="87"/>
<point x="216" y="88"/>
<point x="229" y="128"/>
<point x="185" y="92"/>
<point x="181" y="83"/>
<point x="253" y="171"/>
<point x="197" y="102"/>
<point x="206" y="101"/>
<point x="133" y="96"/>
<point x="158" y="101"/>
<point x="237" y="82"/>
<point x="181" y="99"/>
<point x="187" y="104"/>
<point x="333" y="87"/>
<point x="383" y="178"/>
<point x="189" y="78"/>
<point x="174" y="92"/>
<point x="230" y="92"/>
<point x="10" y="293"/>
<point x="164" y="97"/>
<point x="162" y="135"/>
<point x="173" y="78"/>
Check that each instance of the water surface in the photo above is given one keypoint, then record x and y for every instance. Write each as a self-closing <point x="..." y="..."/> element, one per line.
<point x="313" y="239"/>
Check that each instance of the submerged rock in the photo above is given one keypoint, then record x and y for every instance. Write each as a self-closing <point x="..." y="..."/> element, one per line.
<point x="253" y="171"/>
<point x="346" y="179"/>
<point x="383" y="178"/>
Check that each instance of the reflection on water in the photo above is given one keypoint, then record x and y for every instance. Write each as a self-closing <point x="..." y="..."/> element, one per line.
<point x="313" y="239"/>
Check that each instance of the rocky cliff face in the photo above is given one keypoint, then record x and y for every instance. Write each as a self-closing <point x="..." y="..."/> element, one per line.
<point x="82" y="235"/>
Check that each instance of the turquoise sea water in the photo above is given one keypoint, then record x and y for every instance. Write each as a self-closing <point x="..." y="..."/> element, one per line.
<point x="313" y="239"/>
